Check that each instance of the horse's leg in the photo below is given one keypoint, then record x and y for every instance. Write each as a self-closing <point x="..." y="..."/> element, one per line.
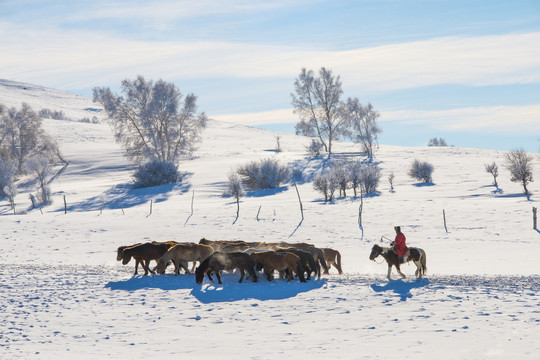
<point x="389" y="271"/>
<point x="218" y="275"/>
<point x="241" y="275"/>
<point x="145" y="266"/>
<point x="289" y="272"/>
<point x="184" y="265"/>
<point x="268" y="273"/>
<point x="136" y="266"/>
<point x="399" y="272"/>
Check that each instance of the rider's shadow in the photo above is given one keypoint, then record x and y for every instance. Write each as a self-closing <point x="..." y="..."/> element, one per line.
<point x="400" y="287"/>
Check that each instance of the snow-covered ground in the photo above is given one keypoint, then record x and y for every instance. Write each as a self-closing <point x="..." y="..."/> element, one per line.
<point x="64" y="295"/>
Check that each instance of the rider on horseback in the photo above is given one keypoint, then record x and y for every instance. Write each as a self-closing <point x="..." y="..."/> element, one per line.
<point x="399" y="246"/>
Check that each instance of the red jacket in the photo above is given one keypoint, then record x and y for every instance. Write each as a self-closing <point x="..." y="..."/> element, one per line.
<point x="399" y="245"/>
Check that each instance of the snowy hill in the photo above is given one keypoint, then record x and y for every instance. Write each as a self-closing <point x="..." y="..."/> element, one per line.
<point x="66" y="295"/>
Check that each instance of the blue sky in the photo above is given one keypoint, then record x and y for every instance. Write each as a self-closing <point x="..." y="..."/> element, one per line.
<point x="467" y="71"/>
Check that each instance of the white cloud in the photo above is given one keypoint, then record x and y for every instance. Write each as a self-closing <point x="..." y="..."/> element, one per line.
<point x="517" y="120"/>
<point x="167" y="10"/>
<point x="82" y="59"/>
<point x="523" y="120"/>
<point x="281" y="116"/>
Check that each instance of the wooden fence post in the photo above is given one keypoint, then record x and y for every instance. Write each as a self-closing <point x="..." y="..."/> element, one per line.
<point x="258" y="212"/>
<point x="65" y="205"/>
<point x="444" y="218"/>
<point x="299" y="200"/>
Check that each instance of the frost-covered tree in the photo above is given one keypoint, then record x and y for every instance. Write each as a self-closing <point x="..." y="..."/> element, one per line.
<point x="317" y="102"/>
<point x="391" y="178"/>
<point x="41" y="167"/>
<point x="362" y="120"/>
<point x="315" y="147"/>
<point x="355" y="171"/>
<point x="493" y="169"/>
<point x="21" y="137"/>
<point x="153" y="120"/>
<point x="437" y="142"/>
<point x="370" y="176"/>
<point x="421" y="170"/>
<point x="7" y="178"/>
<point x="325" y="184"/>
<point x="264" y="174"/>
<point x="236" y="189"/>
<point x="340" y="175"/>
<point x="519" y="163"/>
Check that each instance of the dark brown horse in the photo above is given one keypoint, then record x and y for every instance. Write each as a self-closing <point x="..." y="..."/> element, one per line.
<point x="218" y="261"/>
<point x="143" y="254"/>
<point x="416" y="255"/>
<point x="283" y="261"/>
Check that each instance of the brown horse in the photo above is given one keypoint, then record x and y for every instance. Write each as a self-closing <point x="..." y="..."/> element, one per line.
<point x="308" y="263"/>
<point x="317" y="254"/>
<point x="180" y="254"/>
<point x="417" y="255"/>
<point x="218" y="261"/>
<point x="332" y="257"/>
<point x="144" y="253"/>
<point x="120" y="254"/>
<point x="271" y="261"/>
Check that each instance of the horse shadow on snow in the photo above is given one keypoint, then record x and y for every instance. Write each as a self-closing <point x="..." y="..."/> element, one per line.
<point x="208" y="292"/>
<point x="400" y="287"/>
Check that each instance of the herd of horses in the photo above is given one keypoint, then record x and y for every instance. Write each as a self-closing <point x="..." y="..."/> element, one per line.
<point x="300" y="260"/>
<point x="290" y="260"/>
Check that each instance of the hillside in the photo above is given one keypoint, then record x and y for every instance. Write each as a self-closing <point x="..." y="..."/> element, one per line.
<point x="68" y="294"/>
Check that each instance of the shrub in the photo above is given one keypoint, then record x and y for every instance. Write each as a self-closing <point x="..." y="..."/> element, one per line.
<point x="370" y="176"/>
<point x="421" y="170"/>
<point x="325" y="184"/>
<point x="264" y="174"/>
<point x="315" y="147"/>
<point x="437" y="142"/>
<point x="155" y="173"/>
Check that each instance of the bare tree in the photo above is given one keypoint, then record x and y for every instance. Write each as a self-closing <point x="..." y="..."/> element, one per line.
<point x="21" y="137"/>
<point x="519" y="163"/>
<point x="391" y="181"/>
<point x="316" y="100"/>
<point x="41" y="167"/>
<point x="363" y="122"/>
<point x="437" y="142"/>
<point x="236" y="189"/>
<point x="493" y="169"/>
<point x="7" y="180"/>
<point x="153" y="121"/>
<point x="325" y="184"/>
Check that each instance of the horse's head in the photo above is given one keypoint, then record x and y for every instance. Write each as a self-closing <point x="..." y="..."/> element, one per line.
<point x="161" y="266"/>
<point x="120" y="253"/>
<point x="199" y="275"/>
<point x="376" y="250"/>
<point x="125" y="259"/>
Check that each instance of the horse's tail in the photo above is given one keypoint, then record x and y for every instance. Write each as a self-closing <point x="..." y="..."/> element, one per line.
<point x="338" y="256"/>
<point x="423" y="262"/>
<point x="322" y="261"/>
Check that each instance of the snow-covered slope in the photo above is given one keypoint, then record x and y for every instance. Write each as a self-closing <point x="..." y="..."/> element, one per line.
<point x="64" y="295"/>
